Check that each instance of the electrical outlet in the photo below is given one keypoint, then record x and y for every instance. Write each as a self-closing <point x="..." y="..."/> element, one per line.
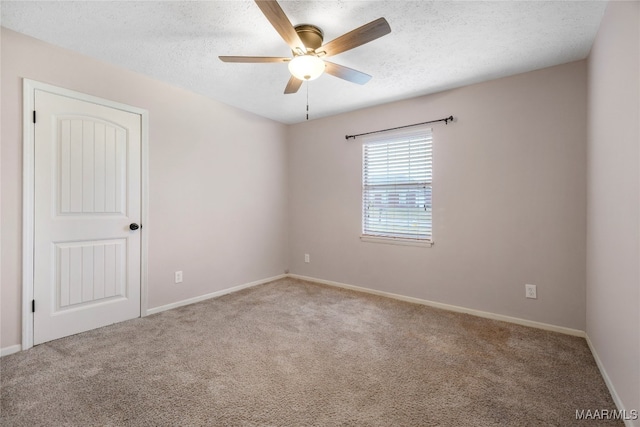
<point x="306" y="258"/>
<point x="531" y="291"/>
<point x="178" y="276"/>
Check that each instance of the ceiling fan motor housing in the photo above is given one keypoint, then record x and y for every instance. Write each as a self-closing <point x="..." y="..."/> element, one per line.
<point x="310" y="35"/>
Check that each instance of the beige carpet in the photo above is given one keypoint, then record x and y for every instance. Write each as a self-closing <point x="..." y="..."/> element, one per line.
<point x="292" y="353"/>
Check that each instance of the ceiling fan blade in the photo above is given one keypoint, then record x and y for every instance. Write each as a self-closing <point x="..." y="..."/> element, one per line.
<point x="253" y="59"/>
<point x="346" y="73"/>
<point x="359" y="36"/>
<point x="293" y="85"/>
<point x="281" y="23"/>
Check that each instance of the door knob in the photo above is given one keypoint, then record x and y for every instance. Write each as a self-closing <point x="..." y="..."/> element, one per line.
<point x="133" y="226"/>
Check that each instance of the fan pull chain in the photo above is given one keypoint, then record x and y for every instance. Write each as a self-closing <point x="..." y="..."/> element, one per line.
<point x="307" y="85"/>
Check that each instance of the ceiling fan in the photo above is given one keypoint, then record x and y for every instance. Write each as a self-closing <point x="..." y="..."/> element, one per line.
<point x="305" y="41"/>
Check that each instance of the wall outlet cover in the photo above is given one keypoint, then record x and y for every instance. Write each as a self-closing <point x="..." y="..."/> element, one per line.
<point x="531" y="291"/>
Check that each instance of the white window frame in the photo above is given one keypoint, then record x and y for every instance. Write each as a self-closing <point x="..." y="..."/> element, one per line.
<point x="399" y="136"/>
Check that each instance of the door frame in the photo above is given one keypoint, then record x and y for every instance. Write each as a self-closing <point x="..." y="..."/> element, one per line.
<point x="28" y="194"/>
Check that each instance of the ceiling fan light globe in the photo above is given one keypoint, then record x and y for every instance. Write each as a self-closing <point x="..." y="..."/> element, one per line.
<point x="306" y="67"/>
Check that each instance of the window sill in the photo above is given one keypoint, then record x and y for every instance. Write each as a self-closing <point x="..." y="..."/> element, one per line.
<point x="397" y="241"/>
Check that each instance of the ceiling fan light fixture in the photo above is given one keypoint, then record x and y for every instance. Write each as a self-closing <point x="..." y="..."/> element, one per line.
<point x="306" y="67"/>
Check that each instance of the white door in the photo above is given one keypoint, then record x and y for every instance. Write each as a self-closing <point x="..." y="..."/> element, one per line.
<point x="87" y="194"/>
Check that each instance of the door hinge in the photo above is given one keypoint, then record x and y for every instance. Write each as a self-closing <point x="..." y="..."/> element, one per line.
<point x="34" y="116"/>
<point x="33" y="306"/>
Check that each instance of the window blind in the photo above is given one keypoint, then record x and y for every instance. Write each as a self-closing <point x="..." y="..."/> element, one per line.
<point x="397" y="187"/>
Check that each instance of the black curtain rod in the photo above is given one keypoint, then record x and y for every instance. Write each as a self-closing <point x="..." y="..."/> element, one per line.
<point x="446" y="121"/>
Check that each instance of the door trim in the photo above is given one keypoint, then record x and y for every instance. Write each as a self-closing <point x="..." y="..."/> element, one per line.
<point x="28" y="195"/>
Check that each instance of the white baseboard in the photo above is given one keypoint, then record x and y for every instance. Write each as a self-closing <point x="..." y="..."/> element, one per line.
<point x="212" y="295"/>
<point x="10" y="350"/>
<point x="607" y="381"/>
<point x="458" y="309"/>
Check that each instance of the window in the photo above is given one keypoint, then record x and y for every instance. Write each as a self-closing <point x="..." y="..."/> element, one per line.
<point x="396" y="187"/>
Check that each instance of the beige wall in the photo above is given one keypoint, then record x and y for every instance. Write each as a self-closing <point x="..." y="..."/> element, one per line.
<point x="217" y="179"/>
<point x="613" y="243"/>
<point x="509" y="198"/>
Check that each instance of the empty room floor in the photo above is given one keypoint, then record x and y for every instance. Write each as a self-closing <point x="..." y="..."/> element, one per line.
<point x="295" y="353"/>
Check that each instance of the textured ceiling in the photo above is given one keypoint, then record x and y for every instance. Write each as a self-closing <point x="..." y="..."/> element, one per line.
<point x="433" y="45"/>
